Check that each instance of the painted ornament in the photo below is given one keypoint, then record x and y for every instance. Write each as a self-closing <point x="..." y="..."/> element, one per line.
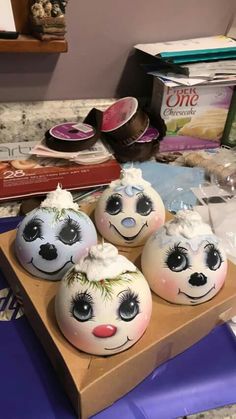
<point x="103" y="305"/>
<point x="184" y="261"/>
<point x="129" y="210"/>
<point x="53" y="237"/>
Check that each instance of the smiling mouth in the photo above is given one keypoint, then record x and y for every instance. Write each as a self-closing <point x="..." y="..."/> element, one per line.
<point x="197" y="298"/>
<point x="118" y="347"/>
<point x="132" y="237"/>
<point x="54" y="272"/>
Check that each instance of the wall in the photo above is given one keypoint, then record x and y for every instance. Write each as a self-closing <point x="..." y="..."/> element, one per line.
<point x="101" y="61"/>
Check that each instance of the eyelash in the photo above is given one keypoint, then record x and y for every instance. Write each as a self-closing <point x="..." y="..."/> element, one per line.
<point x="112" y="197"/>
<point x="71" y="223"/>
<point x="175" y="248"/>
<point x="144" y="195"/>
<point x="128" y="295"/>
<point x="211" y="246"/>
<point x="39" y="223"/>
<point x="182" y="250"/>
<point x="82" y="296"/>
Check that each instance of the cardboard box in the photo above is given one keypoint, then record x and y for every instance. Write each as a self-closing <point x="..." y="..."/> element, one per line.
<point x="22" y="175"/>
<point x="195" y="116"/>
<point x="229" y="135"/>
<point x="93" y="383"/>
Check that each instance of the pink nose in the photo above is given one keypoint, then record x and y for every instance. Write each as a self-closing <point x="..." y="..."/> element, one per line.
<point x="104" y="331"/>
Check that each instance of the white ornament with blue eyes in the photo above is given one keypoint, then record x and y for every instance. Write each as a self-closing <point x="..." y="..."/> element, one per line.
<point x="184" y="261"/>
<point x="104" y="303"/>
<point x="129" y="210"/>
<point x="53" y="237"/>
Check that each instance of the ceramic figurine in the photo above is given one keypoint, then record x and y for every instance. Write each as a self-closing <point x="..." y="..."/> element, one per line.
<point x="56" y="10"/>
<point x="63" y="4"/>
<point x="184" y="261"/>
<point x="37" y="9"/>
<point x="103" y="305"/>
<point x="47" y="8"/>
<point x="129" y="210"/>
<point x="60" y="5"/>
<point x="53" y="237"/>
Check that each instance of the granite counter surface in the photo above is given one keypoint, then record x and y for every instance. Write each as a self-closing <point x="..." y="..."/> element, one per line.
<point x="29" y="121"/>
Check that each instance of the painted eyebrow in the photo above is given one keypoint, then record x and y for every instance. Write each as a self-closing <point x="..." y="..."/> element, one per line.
<point x="37" y="219"/>
<point x="182" y="247"/>
<point x="177" y="246"/>
<point x="121" y="292"/>
<point x="209" y="244"/>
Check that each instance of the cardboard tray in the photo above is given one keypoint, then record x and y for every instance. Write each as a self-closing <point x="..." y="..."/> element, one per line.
<point x="91" y="382"/>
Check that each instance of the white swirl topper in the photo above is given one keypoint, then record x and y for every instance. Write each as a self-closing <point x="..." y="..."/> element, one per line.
<point x="130" y="177"/>
<point x="187" y="223"/>
<point x="104" y="261"/>
<point x="60" y="199"/>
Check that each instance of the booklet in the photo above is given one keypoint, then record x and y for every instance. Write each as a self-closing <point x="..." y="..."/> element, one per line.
<point x="196" y="49"/>
<point x="23" y="174"/>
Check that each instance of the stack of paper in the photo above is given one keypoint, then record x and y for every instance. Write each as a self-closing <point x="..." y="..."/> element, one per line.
<point x="210" y="60"/>
<point x="93" y="155"/>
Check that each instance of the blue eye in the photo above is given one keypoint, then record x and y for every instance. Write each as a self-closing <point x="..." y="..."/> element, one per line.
<point x="144" y="205"/>
<point x="213" y="257"/>
<point x="129" y="306"/>
<point x="70" y="232"/>
<point x="177" y="259"/>
<point x="114" y="205"/>
<point x="33" y="230"/>
<point x="82" y="307"/>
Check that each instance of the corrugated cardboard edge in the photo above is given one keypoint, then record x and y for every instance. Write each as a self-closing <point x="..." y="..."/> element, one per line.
<point x="139" y="366"/>
<point x="102" y="385"/>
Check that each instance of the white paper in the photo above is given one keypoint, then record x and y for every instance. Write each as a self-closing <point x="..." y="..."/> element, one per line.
<point x="196" y="44"/>
<point x="185" y="81"/>
<point x="7" y="22"/>
<point x="222" y="81"/>
<point x="95" y="154"/>
<point x="210" y="69"/>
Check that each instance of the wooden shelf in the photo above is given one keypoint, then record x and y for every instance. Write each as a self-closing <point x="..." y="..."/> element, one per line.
<point x="26" y="43"/>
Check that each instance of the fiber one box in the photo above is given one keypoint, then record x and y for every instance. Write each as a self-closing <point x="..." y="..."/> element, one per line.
<point x="92" y="382"/>
<point x="195" y="116"/>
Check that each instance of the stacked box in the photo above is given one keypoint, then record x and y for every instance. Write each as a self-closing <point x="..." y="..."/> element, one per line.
<point x="229" y="135"/>
<point x="195" y="116"/>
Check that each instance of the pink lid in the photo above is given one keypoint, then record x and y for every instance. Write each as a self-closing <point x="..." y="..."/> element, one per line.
<point x="119" y="113"/>
<point x="149" y="135"/>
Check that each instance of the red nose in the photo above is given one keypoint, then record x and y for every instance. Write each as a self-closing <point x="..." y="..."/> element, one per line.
<point x="104" y="331"/>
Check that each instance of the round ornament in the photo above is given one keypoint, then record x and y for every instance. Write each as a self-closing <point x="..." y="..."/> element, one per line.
<point x="129" y="210"/>
<point x="104" y="303"/>
<point x="54" y="236"/>
<point x="184" y="261"/>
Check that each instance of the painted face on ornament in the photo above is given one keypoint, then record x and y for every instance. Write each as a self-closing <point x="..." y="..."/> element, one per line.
<point x="49" y="241"/>
<point x="129" y="211"/>
<point x="184" y="262"/>
<point x="103" y="317"/>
